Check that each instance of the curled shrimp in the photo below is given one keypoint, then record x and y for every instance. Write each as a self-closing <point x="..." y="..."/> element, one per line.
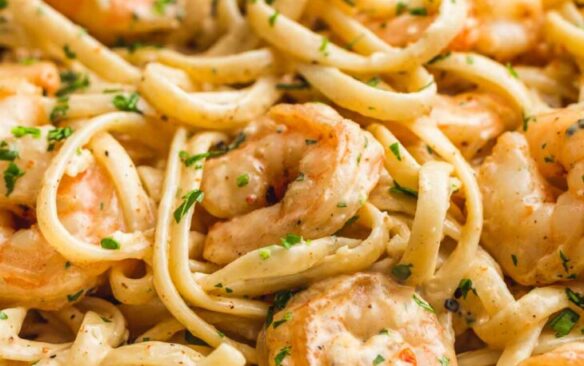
<point x="114" y="18"/>
<point x="571" y="354"/>
<point x="361" y="319"/>
<point x="34" y="78"/>
<point x="282" y="158"/>
<point x="471" y="120"/>
<point x="532" y="226"/>
<point x="31" y="271"/>
<point x="502" y="29"/>
<point x="495" y="28"/>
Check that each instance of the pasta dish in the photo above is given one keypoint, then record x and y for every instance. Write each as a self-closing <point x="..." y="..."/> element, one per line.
<point x="292" y="182"/>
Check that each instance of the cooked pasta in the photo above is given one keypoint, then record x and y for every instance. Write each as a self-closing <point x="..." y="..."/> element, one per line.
<point x="292" y="182"/>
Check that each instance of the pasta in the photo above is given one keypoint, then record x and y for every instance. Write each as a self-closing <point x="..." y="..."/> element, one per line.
<point x="291" y="182"/>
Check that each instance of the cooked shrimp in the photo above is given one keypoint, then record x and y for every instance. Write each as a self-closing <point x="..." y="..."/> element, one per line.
<point x="41" y="74"/>
<point x="283" y="158"/>
<point x="501" y="29"/>
<point x="362" y="319"/>
<point x="35" y="274"/>
<point x="535" y="238"/>
<point x="571" y="354"/>
<point x="556" y="142"/>
<point x="32" y="159"/>
<point x="472" y="119"/>
<point x="20" y="110"/>
<point x="113" y="18"/>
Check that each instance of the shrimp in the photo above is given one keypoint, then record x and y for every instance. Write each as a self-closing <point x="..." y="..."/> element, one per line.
<point x="283" y="158"/>
<point x="361" y="319"/>
<point x="115" y="18"/>
<point x="533" y="230"/>
<point x="571" y="354"/>
<point x="497" y="28"/>
<point x="505" y="29"/>
<point x="473" y="119"/>
<point x="31" y="159"/>
<point x="34" y="274"/>
<point x="40" y="74"/>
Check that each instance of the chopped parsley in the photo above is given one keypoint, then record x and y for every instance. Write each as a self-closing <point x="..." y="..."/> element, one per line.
<point x="526" y="120"/>
<point x="403" y="190"/>
<point x="564" y="322"/>
<point x="3" y="315"/>
<point x="426" y="86"/>
<point x="284" y="352"/>
<point x="160" y="6"/>
<point x="439" y="57"/>
<point x="402" y="271"/>
<point x="109" y="243"/>
<point x="191" y="339"/>
<point x="463" y="288"/>
<point x="290" y="240"/>
<point x="374" y="81"/>
<point x="310" y="141"/>
<point x="576" y="298"/>
<point x="281" y="298"/>
<point x="514" y="259"/>
<point x="395" y="150"/>
<point x="60" y="109"/>
<point x="285" y="318"/>
<point x="6" y="154"/>
<point x="400" y="8"/>
<point x="349" y="2"/>
<point x="58" y="134"/>
<point x="342" y="204"/>
<point x="565" y="260"/>
<point x="299" y="85"/>
<point x="189" y="160"/>
<point x="420" y="12"/>
<point x="324" y="46"/>
<point x="20" y="131"/>
<point x="444" y="361"/>
<point x="72" y="81"/>
<point x="127" y="103"/>
<point x="105" y="320"/>
<point x="69" y="52"/>
<point x="469" y="60"/>
<point x="384" y="331"/>
<point x="75" y="296"/>
<point x="378" y="359"/>
<point x="422" y="303"/>
<point x="67" y="264"/>
<point x="11" y="175"/>
<point x="242" y="180"/>
<point x="512" y="71"/>
<point x="188" y="200"/>
<point x="272" y="19"/>
<point x="265" y="253"/>
<point x="3" y="4"/>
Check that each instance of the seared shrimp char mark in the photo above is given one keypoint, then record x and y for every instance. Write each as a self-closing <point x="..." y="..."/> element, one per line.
<point x="328" y="164"/>
<point x="358" y="320"/>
